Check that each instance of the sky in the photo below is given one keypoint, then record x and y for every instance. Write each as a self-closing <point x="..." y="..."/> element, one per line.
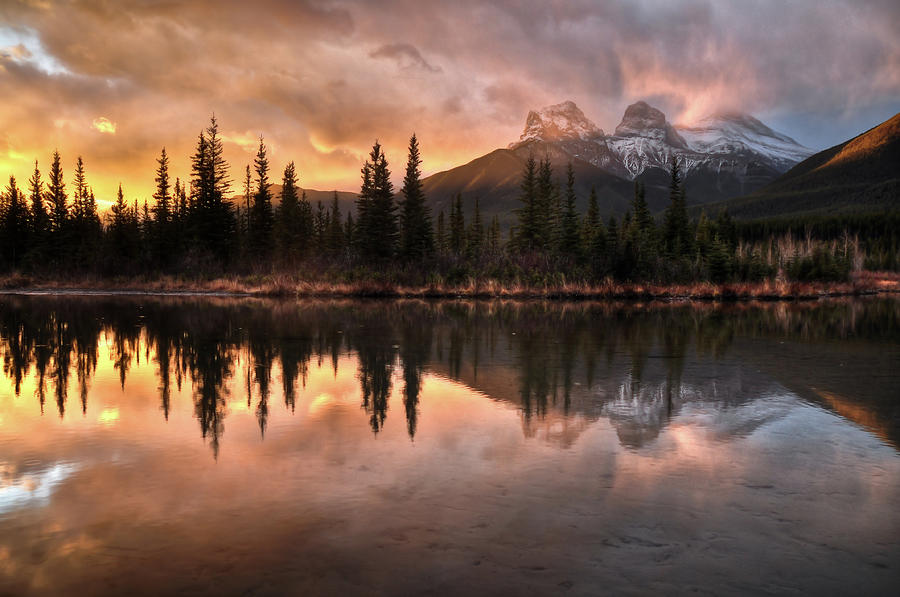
<point x="116" y="81"/>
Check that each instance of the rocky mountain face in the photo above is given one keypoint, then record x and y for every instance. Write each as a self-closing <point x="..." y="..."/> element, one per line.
<point x="723" y="156"/>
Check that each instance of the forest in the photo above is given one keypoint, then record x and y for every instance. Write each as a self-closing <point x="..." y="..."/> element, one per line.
<point x="197" y="229"/>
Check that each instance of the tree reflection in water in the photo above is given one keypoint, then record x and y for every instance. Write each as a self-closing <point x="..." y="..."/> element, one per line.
<point x="622" y="361"/>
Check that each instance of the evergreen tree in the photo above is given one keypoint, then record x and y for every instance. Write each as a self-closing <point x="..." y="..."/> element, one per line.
<point x="528" y="232"/>
<point x="642" y="216"/>
<point x="349" y="233"/>
<point x="376" y="228"/>
<point x="321" y="228"/>
<point x="475" y="240"/>
<point x="261" y="217"/>
<point x="39" y="221"/>
<point x="547" y="207"/>
<point x="80" y="193"/>
<point x="13" y="225"/>
<point x="417" y="239"/>
<point x="122" y="232"/>
<point x="591" y="223"/>
<point x="494" y="237"/>
<point x="162" y="211"/>
<point x="248" y="193"/>
<point x="58" y="200"/>
<point x="677" y="226"/>
<point x="569" y="234"/>
<point x="335" y="229"/>
<point x="441" y="236"/>
<point x="457" y="228"/>
<point x="289" y="228"/>
<point x="212" y="218"/>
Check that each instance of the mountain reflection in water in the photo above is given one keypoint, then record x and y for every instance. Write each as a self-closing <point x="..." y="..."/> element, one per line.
<point x="636" y="365"/>
<point x="175" y="445"/>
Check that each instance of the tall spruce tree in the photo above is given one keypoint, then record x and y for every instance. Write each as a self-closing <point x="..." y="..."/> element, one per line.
<point x="58" y="200"/>
<point x="261" y="216"/>
<point x="547" y="207"/>
<point x="40" y="223"/>
<point x="290" y="232"/>
<point x="335" y="228"/>
<point x="162" y="212"/>
<point x="457" y="228"/>
<point x="417" y="239"/>
<point x="528" y="230"/>
<point x="441" y="235"/>
<point x="475" y="237"/>
<point x="677" y="234"/>
<point x="376" y="227"/>
<point x="569" y="234"/>
<point x="13" y="225"/>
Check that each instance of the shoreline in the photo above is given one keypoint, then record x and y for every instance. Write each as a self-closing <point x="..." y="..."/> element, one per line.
<point x="862" y="284"/>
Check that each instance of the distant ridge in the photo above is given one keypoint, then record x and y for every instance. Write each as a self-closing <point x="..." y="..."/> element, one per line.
<point x="859" y="175"/>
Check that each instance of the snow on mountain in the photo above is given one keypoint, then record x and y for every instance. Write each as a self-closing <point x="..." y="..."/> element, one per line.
<point x="730" y="134"/>
<point x="558" y="122"/>
<point x="733" y="145"/>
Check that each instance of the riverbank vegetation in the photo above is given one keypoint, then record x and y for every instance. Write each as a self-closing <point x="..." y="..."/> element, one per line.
<point x="194" y="236"/>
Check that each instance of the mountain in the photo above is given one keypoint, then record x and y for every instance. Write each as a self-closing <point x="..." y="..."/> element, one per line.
<point x="725" y="155"/>
<point x="859" y="175"/>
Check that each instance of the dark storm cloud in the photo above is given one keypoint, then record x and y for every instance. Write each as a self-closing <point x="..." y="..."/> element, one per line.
<point x="406" y="55"/>
<point x="321" y="80"/>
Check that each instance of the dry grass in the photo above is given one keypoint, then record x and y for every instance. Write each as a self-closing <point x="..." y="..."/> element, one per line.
<point x="285" y="285"/>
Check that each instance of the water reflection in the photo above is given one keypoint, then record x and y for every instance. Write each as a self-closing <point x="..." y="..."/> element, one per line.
<point x="153" y="445"/>
<point x="627" y="363"/>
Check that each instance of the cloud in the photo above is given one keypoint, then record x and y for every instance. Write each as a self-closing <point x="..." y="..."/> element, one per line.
<point x="103" y="125"/>
<point x="406" y="56"/>
<point x="321" y="80"/>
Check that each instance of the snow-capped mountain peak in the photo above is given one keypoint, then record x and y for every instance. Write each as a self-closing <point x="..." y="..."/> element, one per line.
<point x="735" y="133"/>
<point x="643" y="120"/>
<point x="723" y="155"/>
<point x="559" y="122"/>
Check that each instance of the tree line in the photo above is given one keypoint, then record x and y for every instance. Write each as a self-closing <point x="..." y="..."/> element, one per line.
<point x="194" y="227"/>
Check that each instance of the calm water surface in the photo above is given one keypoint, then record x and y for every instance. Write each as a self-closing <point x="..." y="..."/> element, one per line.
<point x="153" y="445"/>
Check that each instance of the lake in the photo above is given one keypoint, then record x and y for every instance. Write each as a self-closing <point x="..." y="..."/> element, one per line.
<point x="154" y="445"/>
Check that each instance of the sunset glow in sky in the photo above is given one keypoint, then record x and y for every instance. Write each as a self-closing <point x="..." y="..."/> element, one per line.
<point x="116" y="81"/>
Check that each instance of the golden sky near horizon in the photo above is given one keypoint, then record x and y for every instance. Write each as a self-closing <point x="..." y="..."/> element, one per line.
<point x="115" y="82"/>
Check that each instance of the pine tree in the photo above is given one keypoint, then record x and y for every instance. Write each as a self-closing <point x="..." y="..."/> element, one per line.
<point x="376" y="228"/>
<point x="569" y="234"/>
<point x="289" y="227"/>
<point x="261" y="216"/>
<point x="591" y="223"/>
<point x="320" y="224"/>
<point x="417" y="239"/>
<point x="162" y="211"/>
<point x="547" y="207"/>
<point x="441" y="235"/>
<point x="40" y="223"/>
<point x="642" y="217"/>
<point x="13" y="225"/>
<point x="494" y="237"/>
<point x="58" y="200"/>
<point x="528" y="228"/>
<point x="335" y="229"/>
<point x="475" y="237"/>
<point x="120" y="232"/>
<point x="212" y="218"/>
<point x="248" y="193"/>
<point x="677" y="226"/>
<point x="457" y="228"/>
<point x="80" y="197"/>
